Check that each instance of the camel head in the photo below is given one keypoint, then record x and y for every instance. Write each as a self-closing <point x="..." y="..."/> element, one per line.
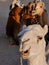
<point x="40" y="6"/>
<point x="31" y="40"/>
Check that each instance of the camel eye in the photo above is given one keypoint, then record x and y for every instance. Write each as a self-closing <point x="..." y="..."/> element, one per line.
<point x="39" y="38"/>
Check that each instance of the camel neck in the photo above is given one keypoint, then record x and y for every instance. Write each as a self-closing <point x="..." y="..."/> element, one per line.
<point x="38" y="60"/>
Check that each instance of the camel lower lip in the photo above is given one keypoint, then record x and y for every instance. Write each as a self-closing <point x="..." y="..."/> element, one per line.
<point x="25" y="56"/>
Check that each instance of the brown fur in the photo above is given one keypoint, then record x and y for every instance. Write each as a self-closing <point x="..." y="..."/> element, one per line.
<point x="13" y="24"/>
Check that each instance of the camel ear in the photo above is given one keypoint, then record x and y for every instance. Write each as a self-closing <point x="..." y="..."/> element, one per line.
<point x="45" y="30"/>
<point x="44" y="5"/>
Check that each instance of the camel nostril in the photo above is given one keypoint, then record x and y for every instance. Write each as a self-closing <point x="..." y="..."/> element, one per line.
<point x="26" y="51"/>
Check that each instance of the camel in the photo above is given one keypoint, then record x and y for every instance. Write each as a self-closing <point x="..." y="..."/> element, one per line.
<point x="33" y="44"/>
<point x="13" y="24"/>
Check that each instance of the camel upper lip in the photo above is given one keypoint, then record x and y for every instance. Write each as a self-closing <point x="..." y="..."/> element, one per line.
<point x="25" y="53"/>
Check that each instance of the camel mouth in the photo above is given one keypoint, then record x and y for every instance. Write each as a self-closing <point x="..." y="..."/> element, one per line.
<point x="25" y="54"/>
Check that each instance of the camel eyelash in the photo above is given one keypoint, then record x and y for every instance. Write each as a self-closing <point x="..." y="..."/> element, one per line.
<point x="26" y="41"/>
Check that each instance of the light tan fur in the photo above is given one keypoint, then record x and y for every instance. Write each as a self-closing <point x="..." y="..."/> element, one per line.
<point x="33" y="45"/>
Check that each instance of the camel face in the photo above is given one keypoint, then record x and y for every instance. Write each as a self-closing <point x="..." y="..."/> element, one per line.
<point x="40" y="8"/>
<point x="32" y="41"/>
